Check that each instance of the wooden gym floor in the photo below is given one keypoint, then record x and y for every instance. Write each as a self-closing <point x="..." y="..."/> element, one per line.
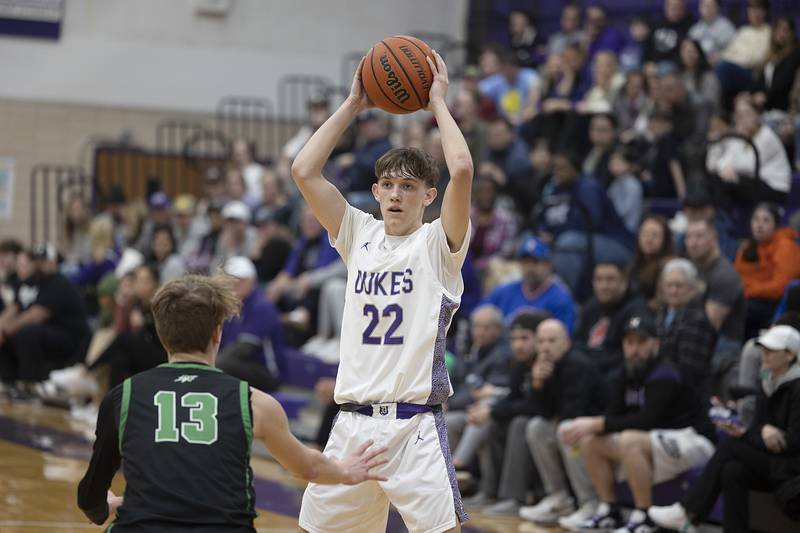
<point x="44" y="453"/>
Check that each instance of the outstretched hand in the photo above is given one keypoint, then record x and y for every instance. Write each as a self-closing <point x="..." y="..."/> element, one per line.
<point x="358" y="96"/>
<point x="438" y="90"/>
<point x="356" y="466"/>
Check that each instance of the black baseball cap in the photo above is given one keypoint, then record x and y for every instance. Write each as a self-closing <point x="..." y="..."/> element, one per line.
<point x="642" y="325"/>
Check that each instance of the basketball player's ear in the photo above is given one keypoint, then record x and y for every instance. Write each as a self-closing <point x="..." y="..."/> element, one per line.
<point x="375" y="192"/>
<point x="216" y="335"/>
<point x="430" y="196"/>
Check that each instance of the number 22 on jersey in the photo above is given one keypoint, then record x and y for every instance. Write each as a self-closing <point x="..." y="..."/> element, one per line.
<point x="202" y="425"/>
<point x="374" y="314"/>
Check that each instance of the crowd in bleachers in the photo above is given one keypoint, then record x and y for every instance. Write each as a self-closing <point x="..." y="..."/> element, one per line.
<point x="630" y="244"/>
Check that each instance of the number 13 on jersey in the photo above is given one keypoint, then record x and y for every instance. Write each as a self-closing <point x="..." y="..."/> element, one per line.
<point x="202" y="425"/>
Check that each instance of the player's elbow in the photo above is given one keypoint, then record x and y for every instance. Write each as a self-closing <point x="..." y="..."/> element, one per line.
<point x="301" y="171"/>
<point x="462" y="168"/>
<point x="310" y="473"/>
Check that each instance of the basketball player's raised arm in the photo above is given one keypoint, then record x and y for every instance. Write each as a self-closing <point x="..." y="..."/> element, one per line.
<point x="322" y="196"/>
<point x="271" y="425"/>
<point x="456" y="202"/>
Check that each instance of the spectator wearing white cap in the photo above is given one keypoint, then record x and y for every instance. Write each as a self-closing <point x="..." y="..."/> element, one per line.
<point x="761" y="457"/>
<point x="253" y="341"/>
<point x="237" y="236"/>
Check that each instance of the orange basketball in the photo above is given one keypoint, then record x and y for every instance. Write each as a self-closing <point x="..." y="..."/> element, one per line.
<point x="396" y="75"/>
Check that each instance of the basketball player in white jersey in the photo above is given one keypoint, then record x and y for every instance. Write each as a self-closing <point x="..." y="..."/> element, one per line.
<point x="403" y="286"/>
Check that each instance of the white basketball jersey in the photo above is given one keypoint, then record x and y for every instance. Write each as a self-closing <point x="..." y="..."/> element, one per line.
<point x="402" y="293"/>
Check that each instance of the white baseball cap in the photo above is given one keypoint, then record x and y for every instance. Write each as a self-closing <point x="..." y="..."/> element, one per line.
<point x="780" y="338"/>
<point x="236" y="210"/>
<point x="131" y="260"/>
<point x="240" y="267"/>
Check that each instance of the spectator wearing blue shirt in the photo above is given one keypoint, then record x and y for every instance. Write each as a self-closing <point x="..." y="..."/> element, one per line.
<point x="513" y="90"/>
<point x="537" y="290"/>
<point x="572" y="208"/>
<point x="252" y="342"/>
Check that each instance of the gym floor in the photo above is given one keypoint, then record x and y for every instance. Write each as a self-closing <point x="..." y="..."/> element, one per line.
<point x="44" y="453"/>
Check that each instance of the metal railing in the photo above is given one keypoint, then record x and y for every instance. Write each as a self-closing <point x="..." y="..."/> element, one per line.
<point x="49" y="185"/>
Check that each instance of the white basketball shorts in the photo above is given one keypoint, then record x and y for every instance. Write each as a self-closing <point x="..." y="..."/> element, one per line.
<point x="421" y="479"/>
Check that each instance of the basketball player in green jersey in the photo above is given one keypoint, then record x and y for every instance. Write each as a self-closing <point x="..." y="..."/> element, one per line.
<point x="183" y="431"/>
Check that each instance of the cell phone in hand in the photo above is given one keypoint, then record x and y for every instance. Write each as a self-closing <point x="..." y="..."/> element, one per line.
<point x="724" y="415"/>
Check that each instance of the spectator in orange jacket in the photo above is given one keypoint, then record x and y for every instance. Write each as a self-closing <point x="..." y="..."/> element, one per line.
<point x="766" y="264"/>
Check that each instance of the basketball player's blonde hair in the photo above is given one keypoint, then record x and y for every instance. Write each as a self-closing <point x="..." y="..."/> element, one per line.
<point x="188" y="309"/>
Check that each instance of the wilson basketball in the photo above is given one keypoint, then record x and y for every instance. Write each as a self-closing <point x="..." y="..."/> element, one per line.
<point x="396" y="75"/>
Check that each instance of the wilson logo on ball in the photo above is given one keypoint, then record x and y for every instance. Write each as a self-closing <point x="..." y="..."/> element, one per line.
<point x="392" y="82"/>
<point x="396" y="75"/>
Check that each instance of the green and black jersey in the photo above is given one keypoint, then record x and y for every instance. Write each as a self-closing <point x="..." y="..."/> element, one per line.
<point x="182" y="432"/>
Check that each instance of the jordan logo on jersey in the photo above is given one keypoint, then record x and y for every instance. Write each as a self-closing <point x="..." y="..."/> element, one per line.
<point x="365" y="246"/>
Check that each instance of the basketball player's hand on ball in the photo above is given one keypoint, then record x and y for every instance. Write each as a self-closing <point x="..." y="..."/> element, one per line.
<point x="113" y="502"/>
<point x="358" y="96"/>
<point x="356" y="466"/>
<point x="438" y="90"/>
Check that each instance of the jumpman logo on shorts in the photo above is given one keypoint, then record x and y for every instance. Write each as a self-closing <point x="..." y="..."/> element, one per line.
<point x="418" y="438"/>
<point x="365" y="246"/>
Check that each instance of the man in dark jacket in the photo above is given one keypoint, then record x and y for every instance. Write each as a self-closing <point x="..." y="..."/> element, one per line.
<point x="601" y="323"/>
<point x="507" y="469"/>
<point x="564" y="385"/>
<point x="687" y="336"/>
<point x="763" y="457"/>
<point x="653" y="430"/>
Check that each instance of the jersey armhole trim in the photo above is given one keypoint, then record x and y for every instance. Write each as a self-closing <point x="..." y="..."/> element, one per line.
<point x="429" y="263"/>
<point x="247" y="423"/>
<point x="123" y="410"/>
